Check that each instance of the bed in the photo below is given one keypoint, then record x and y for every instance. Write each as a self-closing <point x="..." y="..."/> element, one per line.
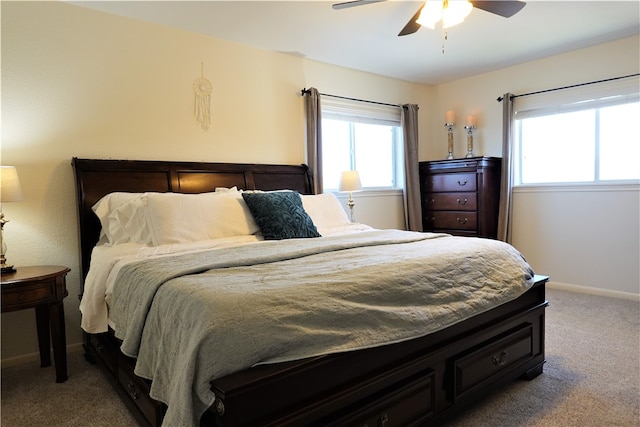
<point x="395" y="364"/>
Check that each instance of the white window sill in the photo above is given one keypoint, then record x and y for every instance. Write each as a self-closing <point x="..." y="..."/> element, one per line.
<point x="579" y="186"/>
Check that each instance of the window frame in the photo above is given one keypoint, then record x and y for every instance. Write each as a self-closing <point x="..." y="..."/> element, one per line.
<point x="580" y="98"/>
<point x="354" y="111"/>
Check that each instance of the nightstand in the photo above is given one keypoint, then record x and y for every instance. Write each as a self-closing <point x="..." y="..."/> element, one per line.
<point x="42" y="288"/>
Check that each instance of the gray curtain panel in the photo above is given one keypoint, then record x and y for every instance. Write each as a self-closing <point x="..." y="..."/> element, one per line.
<point x="313" y="114"/>
<point x="412" y="206"/>
<point x="506" y="185"/>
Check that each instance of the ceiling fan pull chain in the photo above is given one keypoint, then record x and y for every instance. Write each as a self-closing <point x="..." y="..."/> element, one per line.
<point x="444" y="39"/>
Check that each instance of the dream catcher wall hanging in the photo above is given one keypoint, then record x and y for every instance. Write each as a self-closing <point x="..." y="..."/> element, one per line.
<point x="202" y="89"/>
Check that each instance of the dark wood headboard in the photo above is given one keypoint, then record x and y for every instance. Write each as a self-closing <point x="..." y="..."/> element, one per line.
<point x="96" y="178"/>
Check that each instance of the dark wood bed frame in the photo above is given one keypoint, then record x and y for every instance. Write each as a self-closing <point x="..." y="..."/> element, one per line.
<point x="419" y="382"/>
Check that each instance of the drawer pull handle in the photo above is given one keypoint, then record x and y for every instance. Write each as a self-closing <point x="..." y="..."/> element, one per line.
<point x="462" y="202"/>
<point x="462" y="221"/>
<point x="220" y="407"/>
<point x="135" y="394"/>
<point x="21" y="297"/>
<point x="384" y="419"/>
<point x="462" y="183"/>
<point x="500" y="360"/>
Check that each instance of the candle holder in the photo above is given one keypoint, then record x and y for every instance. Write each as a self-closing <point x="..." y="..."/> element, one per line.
<point x="449" y="127"/>
<point x="469" y="129"/>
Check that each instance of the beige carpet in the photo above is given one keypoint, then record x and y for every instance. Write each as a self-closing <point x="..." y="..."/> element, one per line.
<point x="591" y="379"/>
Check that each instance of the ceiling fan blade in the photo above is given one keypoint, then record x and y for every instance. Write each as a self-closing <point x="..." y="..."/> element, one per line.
<point x="502" y="8"/>
<point x="353" y="3"/>
<point x="412" y="26"/>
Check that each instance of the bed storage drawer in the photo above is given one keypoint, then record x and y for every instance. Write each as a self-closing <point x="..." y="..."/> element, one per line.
<point x="104" y="349"/>
<point x="403" y="394"/>
<point x="138" y="391"/>
<point x="410" y="403"/>
<point x="493" y="358"/>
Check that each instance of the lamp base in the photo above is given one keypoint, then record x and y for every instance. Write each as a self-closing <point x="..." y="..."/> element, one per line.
<point x="7" y="269"/>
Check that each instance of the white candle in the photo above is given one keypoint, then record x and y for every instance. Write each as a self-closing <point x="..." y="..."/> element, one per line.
<point x="450" y="117"/>
<point x="471" y="121"/>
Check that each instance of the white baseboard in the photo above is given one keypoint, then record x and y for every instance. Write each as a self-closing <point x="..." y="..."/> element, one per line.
<point x="35" y="357"/>
<point x="594" y="291"/>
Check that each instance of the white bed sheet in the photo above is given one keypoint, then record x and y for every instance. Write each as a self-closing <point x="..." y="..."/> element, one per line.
<point x="107" y="261"/>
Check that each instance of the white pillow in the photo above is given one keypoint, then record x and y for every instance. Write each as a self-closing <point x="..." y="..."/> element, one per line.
<point x="325" y="210"/>
<point x="116" y="211"/>
<point x="183" y="218"/>
<point x="128" y="223"/>
<point x="233" y="189"/>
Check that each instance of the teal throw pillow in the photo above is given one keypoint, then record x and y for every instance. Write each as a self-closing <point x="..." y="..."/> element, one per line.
<point x="280" y="215"/>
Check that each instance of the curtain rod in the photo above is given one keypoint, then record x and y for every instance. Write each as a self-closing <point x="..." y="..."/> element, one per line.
<point x="500" y="98"/>
<point x="306" y="91"/>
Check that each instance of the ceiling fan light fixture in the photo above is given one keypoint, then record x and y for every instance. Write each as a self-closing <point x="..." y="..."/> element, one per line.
<point x="431" y="13"/>
<point x="455" y="13"/>
<point x="451" y="12"/>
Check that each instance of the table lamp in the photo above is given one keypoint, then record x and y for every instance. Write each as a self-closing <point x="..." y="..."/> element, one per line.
<point x="350" y="181"/>
<point x="10" y="191"/>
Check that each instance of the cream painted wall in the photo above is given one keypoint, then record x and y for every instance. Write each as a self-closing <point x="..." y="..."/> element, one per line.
<point x="76" y="82"/>
<point x="582" y="237"/>
<point x="477" y="95"/>
<point x="585" y="237"/>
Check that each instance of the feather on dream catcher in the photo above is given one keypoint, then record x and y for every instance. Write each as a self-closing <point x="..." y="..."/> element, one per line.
<point x="202" y="89"/>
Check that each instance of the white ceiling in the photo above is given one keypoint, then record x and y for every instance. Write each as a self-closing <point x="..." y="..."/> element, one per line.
<point x="365" y="37"/>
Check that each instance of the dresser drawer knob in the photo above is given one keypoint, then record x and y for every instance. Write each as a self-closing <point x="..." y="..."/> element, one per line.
<point x="462" y="221"/>
<point x="462" y="202"/>
<point x="501" y="359"/>
<point x="462" y="183"/>
<point x="21" y="297"/>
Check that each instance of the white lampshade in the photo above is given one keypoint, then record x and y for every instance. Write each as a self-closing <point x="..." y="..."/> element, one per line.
<point x="10" y="190"/>
<point x="350" y="181"/>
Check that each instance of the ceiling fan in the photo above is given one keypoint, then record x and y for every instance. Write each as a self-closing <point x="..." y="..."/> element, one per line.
<point x="505" y="8"/>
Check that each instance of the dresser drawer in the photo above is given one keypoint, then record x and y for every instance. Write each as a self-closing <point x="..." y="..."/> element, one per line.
<point x="450" y="182"/>
<point x="138" y="391"/>
<point x="451" y="220"/>
<point x="452" y="202"/>
<point x="492" y="358"/>
<point x="40" y="293"/>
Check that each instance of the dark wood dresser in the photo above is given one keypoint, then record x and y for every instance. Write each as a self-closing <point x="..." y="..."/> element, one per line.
<point x="461" y="196"/>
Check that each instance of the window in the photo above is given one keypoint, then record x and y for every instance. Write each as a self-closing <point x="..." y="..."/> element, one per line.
<point x="362" y="137"/>
<point x="583" y="141"/>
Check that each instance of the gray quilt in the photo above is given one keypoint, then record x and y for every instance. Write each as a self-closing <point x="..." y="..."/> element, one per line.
<point x="194" y="317"/>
